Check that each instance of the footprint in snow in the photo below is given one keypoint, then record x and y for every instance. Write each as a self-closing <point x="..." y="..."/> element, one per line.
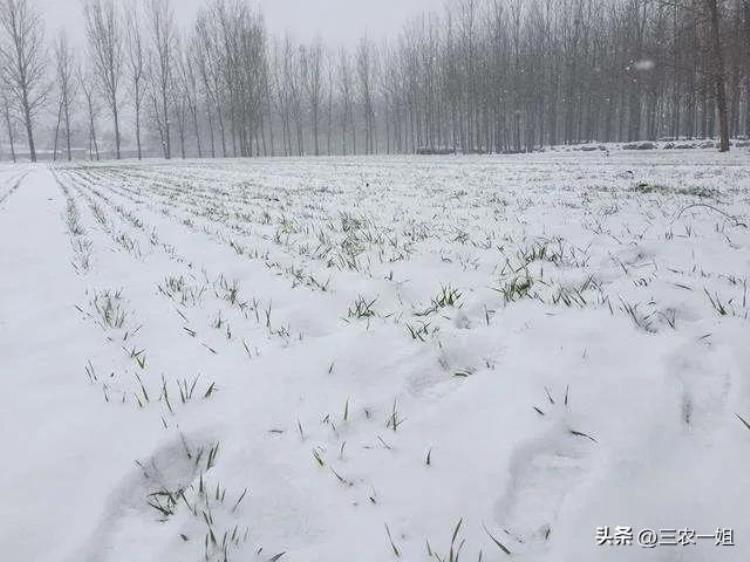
<point x="168" y="468"/>
<point x="543" y="472"/>
<point x="704" y="384"/>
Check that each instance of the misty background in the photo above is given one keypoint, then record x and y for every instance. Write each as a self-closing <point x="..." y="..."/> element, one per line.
<point x="214" y="78"/>
<point x="337" y="21"/>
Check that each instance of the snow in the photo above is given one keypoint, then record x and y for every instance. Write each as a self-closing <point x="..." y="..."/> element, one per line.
<point x="367" y="351"/>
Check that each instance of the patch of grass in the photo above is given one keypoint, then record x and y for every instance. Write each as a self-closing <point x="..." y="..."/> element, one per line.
<point x="516" y="288"/>
<point x="362" y="308"/>
<point x="394" y="419"/>
<point x="448" y="296"/>
<point x="110" y="308"/>
<point x="420" y="332"/>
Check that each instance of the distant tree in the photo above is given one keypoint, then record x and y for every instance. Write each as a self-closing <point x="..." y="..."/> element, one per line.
<point x="346" y="93"/>
<point x="281" y="95"/>
<point x="67" y="86"/>
<point x="268" y="94"/>
<point x="243" y="39"/>
<point x="746" y="69"/>
<point x="179" y="99"/>
<point x="135" y="50"/>
<point x="163" y="37"/>
<point x="717" y="52"/>
<point x="86" y="80"/>
<point x="189" y="86"/>
<point x="329" y="87"/>
<point x="23" y="61"/>
<point x="292" y="77"/>
<point x="9" y="125"/>
<point x="105" y="42"/>
<point x="311" y="64"/>
<point x="366" y="75"/>
<point x="210" y="59"/>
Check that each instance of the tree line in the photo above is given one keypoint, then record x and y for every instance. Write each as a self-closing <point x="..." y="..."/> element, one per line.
<point x="480" y="76"/>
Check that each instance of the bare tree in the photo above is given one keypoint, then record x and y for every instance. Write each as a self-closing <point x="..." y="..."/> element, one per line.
<point x="103" y="30"/>
<point x="210" y="62"/>
<point x="23" y="61"/>
<point x="311" y="63"/>
<point x="189" y="86"/>
<point x="136" y="65"/>
<point x="745" y="17"/>
<point x="268" y="94"/>
<point x="291" y="77"/>
<point x="179" y="96"/>
<point x="86" y="80"/>
<point x="345" y="92"/>
<point x="67" y="88"/>
<point x="282" y="98"/>
<point x="244" y="41"/>
<point x="9" y="125"/>
<point x="366" y="73"/>
<point x="163" y="36"/>
<point x="205" y="87"/>
<point x="719" y="74"/>
<point x="330" y="87"/>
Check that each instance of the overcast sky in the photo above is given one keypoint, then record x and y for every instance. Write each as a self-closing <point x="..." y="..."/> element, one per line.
<point x="337" y="21"/>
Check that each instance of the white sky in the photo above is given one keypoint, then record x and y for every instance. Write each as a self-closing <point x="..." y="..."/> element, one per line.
<point x="337" y="21"/>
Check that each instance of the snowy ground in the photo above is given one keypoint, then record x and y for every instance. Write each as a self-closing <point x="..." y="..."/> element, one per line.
<point x="340" y="360"/>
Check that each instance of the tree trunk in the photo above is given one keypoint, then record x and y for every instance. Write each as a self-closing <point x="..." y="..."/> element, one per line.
<point x="138" y="125"/>
<point x="57" y="130"/>
<point x="746" y="11"/>
<point x="67" y="131"/>
<point x="29" y="126"/>
<point x="194" y="111"/>
<point x="92" y="130"/>
<point x="210" y="116"/>
<point x="11" y="135"/>
<point x="721" y="93"/>
<point x="167" y="136"/>
<point x="116" y="118"/>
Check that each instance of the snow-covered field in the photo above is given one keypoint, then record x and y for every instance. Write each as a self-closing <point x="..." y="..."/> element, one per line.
<point x="363" y="360"/>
